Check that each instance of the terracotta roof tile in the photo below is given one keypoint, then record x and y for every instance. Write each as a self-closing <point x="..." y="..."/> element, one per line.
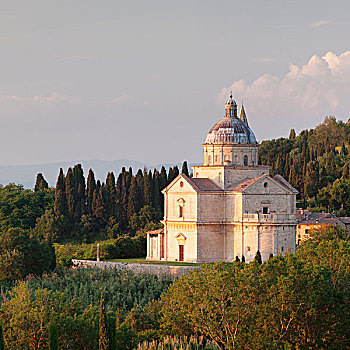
<point x="155" y="232"/>
<point x="204" y="184"/>
<point x="240" y="187"/>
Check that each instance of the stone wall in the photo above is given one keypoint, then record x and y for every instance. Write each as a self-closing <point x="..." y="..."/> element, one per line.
<point x="136" y="268"/>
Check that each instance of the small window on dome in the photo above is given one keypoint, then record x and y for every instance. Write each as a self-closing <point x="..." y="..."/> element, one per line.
<point x="209" y="159"/>
<point x="265" y="184"/>
<point x="181" y="184"/>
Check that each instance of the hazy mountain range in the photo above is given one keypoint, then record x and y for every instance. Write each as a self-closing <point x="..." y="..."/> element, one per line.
<point x="26" y="174"/>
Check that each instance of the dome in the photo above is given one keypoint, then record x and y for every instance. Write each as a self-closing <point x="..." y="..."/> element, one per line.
<point x="230" y="130"/>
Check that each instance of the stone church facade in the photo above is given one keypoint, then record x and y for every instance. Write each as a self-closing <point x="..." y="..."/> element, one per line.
<point x="230" y="207"/>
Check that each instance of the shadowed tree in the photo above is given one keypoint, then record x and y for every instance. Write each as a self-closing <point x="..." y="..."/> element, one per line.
<point x="60" y="204"/>
<point x="185" y="169"/>
<point x="40" y="183"/>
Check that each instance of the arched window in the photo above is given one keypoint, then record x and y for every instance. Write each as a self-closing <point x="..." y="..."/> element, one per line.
<point x="245" y="160"/>
<point x="219" y="177"/>
<point x="209" y="159"/>
<point x="216" y="159"/>
<point x="181" y="211"/>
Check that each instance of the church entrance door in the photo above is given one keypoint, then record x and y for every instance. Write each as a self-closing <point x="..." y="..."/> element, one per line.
<point x="181" y="252"/>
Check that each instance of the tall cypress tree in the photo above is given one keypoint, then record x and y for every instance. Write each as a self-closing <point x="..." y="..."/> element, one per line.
<point x="53" y="336"/>
<point x="163" y="178"/>
<point x="148" y="189"/>
<point x="134" y="199"/>
<point x="111" y="194"/>
<point x="71" y="193"/>
<point x="60" y="204"/>
<point x="2" y="341"/>
<point x="140" y="187"/>
<point x="156" y="191"/>
<point x="103" y="340"/>
<point x="40" y="183"/>
<point x="185" y="169"/>
<point x="90" y="188"/>
<point x="80" y="200"/>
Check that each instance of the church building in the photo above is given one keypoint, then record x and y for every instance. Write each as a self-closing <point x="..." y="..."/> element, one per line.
<point x="230" y="207"/>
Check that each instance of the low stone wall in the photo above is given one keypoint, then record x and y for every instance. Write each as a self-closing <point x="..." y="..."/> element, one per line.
<point x="136" y="268"/>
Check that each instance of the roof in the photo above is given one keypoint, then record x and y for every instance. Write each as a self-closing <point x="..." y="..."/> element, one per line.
<point x="203" y="184"/>
<point x="230" y="130"/>
<point x="345" y="220"/>
<point x="240" y="187"/>
<point x="306" y="217"/>
<point x="284" y="183"/>
<point x="156" y="232"/>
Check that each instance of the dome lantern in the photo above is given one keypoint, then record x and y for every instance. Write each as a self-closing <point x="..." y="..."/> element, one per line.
<point x="231" y="108"/>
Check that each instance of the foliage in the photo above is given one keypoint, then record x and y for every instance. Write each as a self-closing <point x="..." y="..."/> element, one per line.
<point x="289" y="302"/>
<point x="178" y="343"/>
<point x="103" y="333"/>
<point x="21" y="255"/>
<point x="312" y="161"/>
<point x="26" y="316"/>
<point x="19" y="207"/>
<point x="121" y="247"/>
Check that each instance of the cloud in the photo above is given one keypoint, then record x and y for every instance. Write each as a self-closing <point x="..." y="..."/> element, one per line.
<point x="319" y="24"/>
<point x="318" y="88"/>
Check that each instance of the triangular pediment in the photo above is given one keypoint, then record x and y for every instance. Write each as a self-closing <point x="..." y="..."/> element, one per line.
<point x="181" y="184"/>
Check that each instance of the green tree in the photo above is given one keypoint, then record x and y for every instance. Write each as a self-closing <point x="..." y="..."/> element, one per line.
<point x="103" y="334"/>
<point x="257" y="257"/>
<point x="40" y="183"/>
<point x="184" y="169"/>
<point x="20" y="255"/>
<point x="90" y="188"/>
<point x="2" y="342"/>
<point x="53" y="336"/>
<point x="134" y="199"/>
<point x="60" y="205"/>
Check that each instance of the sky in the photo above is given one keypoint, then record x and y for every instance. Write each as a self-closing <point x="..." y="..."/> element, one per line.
<point x="146" y="80"/>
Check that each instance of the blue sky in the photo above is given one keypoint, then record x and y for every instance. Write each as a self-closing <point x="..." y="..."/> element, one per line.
<point x="146" y="80"/>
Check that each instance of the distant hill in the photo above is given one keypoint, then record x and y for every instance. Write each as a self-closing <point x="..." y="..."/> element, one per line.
<point x="26" y="174"/>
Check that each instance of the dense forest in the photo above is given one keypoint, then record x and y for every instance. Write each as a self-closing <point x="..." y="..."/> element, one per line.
<point x="69" y="219"/>
<point x="316" y="163"/>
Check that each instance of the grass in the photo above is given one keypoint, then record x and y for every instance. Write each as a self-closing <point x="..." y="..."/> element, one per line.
<point x="144" y="261"/>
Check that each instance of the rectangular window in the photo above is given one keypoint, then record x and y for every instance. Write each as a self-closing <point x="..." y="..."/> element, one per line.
<point x="181" y="215"/>
<point x="265" y="210"/>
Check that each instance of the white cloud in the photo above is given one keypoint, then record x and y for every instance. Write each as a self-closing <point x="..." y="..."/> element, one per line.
<point x="318" y="88"/>
<point x="319" y="23"/>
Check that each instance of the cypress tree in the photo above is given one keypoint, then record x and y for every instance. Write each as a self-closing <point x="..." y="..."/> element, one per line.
<point x="163" y="178"/>
<point x="71" y="193"/>
<point x="185" y="169"/>
<point x="140" y="187"/>
<point x="237" y="258"/>
<point x="103" y="340"/>
<point x="98" y="205"/>
<point x="40" y="183"/>
<point x="175" y="172"/>
<point x="91" y="186"/>
<point x="53" y="336"/>
<point x="2" y="341"/>
<point x="80" y="200"/>
<point x="156" y="191"/>
<point x="243" y="258"/>
<point x="148" y="190"/>
<point x="60" y="204"/>
<point x="258" y="257"/>
<point x="111" y="194"/>
<point x="134" y="199"/>
<point x="292" y="134"/>
<point x="170" y="175"/>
